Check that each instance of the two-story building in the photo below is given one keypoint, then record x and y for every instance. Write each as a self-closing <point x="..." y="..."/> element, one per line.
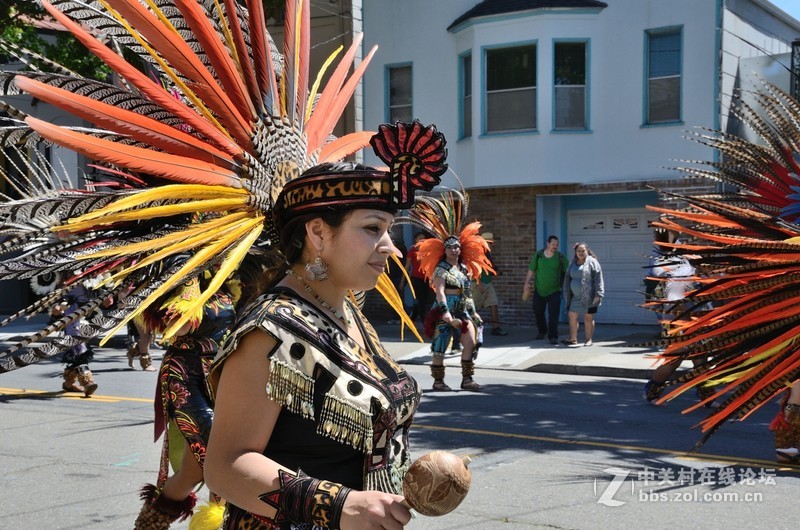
<point x="564" y="117"/>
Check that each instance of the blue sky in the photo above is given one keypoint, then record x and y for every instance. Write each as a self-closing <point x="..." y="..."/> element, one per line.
<point x="790" y="6"/>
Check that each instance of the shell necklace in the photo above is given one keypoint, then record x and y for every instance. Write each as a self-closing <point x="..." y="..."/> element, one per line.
<point x="345" y="319"/>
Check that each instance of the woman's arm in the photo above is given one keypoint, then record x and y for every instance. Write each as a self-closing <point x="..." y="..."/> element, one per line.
<point x="599" y="287"/>
<point x="244" y="418"/>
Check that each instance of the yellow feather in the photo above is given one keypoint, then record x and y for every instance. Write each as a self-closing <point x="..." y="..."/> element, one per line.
<point x="202" y="256"/>
<point x="228" y="267"/>
<point x="168" y="239"/>
<point x="188" y="244"/>
<point x="161" y="193"/>
<point x="208" y="517"/>
<point x="212" y="205"/>
<point x="313" y="94"/>
<point x="389" y="292"/>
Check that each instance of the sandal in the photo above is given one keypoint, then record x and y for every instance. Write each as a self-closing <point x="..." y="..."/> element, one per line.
<point x="588" y="342"/>
<point x="441" y="386"/>
<point x="133" y="351"/>
<point x="469" y="384"/>
<point x="569" y="342"/>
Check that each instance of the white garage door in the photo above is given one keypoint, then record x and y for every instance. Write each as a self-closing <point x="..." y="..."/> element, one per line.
<point x="622" y="241"/>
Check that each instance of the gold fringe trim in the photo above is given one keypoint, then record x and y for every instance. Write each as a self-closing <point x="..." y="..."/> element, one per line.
<point x="291" y="388"/>
<point x="345" y="423"/>
<point x="388" y="479"/>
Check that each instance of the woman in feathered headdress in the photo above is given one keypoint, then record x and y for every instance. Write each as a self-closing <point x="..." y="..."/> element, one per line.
<point x="449" y="261"/>
<point x="312" y="414"/>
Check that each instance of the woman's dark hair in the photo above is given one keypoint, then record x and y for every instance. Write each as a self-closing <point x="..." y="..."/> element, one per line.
<point x="271" y="265"/>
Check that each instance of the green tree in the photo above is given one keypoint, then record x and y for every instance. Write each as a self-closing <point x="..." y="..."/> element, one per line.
<point x="16" y="27"/>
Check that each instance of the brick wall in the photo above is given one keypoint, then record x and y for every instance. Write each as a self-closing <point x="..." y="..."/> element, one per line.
<point x="510" y="215"/>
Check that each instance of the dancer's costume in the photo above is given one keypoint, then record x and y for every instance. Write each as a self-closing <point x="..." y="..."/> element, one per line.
<point x="77" y="375"/>
<point x="207" y="118"/>
<point x="742" y="321"/>
<point x="443" y="217"/>
<point x="346" y="409"/>
<point x="183" y="395"/>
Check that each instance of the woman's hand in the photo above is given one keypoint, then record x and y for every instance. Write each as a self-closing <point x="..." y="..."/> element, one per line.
<point x="456" y="323"/>
<point x="374" y="510"/>
<point x="596" y="301"/>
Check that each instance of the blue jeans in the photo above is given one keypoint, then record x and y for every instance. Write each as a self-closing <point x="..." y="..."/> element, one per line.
<point x="550" y="304"/>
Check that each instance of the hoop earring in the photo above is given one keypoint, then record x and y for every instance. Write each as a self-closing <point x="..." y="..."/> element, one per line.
<point x="317" y="270"/>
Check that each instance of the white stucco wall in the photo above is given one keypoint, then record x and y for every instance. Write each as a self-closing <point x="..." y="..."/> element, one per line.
<point x="617" y="146"/>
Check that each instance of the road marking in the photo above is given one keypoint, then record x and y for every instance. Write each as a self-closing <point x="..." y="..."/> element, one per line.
<point x="610" y="445"/>
<point x="607" y="445"/>
<point x="26" y="392"/>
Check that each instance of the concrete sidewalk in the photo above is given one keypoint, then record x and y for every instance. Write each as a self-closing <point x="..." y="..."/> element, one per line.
<point x="613" y="353"/>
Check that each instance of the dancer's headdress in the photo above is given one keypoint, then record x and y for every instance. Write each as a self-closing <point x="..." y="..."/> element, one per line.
<point x="443" y="217"/>
<point x="742" y="320"/>
<point x="197" y="166"/>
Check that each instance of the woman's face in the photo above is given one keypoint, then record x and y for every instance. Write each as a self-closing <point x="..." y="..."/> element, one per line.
<point x="452" y="252"/>
<point x="356" y="251"/>
<point x="580" y="252"/>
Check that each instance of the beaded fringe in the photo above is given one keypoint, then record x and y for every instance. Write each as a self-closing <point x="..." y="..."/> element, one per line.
<point x="343" y="422"/>
<point x="291" y="388"/>
<point x="340" y="420"/>
<point x="387" y="479"/>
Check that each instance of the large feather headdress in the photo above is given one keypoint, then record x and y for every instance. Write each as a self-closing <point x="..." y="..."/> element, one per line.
<point x="194" y="145"/>
<point x="443" y="217"/>
<point x="742" y="323"/>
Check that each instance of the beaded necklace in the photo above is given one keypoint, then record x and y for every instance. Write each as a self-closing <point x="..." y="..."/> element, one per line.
<point x="345" y="319"/>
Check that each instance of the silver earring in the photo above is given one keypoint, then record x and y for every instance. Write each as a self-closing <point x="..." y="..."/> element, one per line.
<point x="317" y="270"/>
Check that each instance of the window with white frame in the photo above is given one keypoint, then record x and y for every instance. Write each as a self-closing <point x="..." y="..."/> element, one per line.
<point x="569" y="92"/>
<point x="511" y="89"/>
<point x="466" y="96"/>
<point x="400" y="94"/>
<point x="663" y="76"/>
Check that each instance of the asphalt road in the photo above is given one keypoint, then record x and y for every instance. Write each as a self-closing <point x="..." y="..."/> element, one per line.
<point x="549" y="451"/>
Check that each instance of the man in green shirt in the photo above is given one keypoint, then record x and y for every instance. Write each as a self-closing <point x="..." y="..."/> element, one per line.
<point x="546" y="270"/>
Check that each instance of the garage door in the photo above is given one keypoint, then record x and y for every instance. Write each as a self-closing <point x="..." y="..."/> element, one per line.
<point x="622" y="241"/>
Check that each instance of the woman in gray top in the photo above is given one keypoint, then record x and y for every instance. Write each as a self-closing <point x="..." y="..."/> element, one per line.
<point x="583" y="287"/>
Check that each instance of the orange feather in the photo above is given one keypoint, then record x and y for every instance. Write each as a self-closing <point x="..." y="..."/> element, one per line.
<point x="126" y="122"/>
<point x="348" y="144"/>
<point x="242" y="55"/>
<point x="262" y="57"/>
<point x="175" y="50"/>
<point x="139" y="80"/>
<point x="218" y="55"/>
<point x="163" y="165"/>
<point x="313" y="127"/>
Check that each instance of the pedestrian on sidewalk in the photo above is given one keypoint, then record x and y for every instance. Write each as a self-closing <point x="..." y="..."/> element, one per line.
<point x="583" y="285"/>
<point x="545" y="279"/>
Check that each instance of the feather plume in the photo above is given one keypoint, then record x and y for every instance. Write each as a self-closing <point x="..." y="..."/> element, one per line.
<point x="185" y="147"/>
<point x="742" y="322"/>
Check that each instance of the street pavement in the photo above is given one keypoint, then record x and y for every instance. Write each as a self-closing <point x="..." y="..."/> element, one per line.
<point x="617" y="351"/>
<point x="71" y="462"/>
